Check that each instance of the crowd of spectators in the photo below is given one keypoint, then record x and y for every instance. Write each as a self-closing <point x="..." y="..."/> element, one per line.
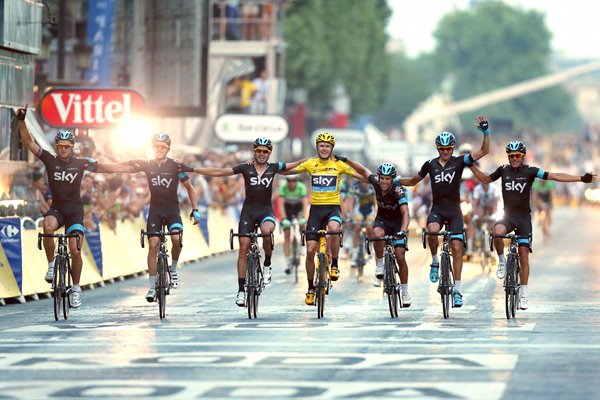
<point x="245" y="19"/>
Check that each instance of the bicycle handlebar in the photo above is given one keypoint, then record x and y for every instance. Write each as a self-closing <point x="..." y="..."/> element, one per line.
<point x="59" y="235"/>
<point x="323" y="233"/>
<point x="445" y="234"/>
<point x="161" y="234"/>
<point x="510" y="236"/>
<point x="251" y="235"/>
<point x="384" y="238"/>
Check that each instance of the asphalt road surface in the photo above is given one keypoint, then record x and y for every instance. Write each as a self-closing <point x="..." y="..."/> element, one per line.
<point x="115" y="346"/>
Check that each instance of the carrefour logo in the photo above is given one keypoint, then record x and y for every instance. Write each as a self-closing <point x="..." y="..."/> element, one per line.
<point x="9" y="231"/>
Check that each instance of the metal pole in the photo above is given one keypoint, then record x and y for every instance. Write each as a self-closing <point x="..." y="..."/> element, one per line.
<point x="62" y="14"/>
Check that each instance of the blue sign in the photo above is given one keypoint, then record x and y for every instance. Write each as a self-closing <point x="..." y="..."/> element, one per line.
<point x="10" y="240"/>
<point x="203" y="223"/>
<point x="95" y="242"/>
<point x="100" y="23"/>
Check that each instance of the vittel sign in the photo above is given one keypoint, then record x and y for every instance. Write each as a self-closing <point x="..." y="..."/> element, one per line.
<point x="89" y="108"/>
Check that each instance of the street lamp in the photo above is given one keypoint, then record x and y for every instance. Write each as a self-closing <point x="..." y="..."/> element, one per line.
<point x="83" y="56"/>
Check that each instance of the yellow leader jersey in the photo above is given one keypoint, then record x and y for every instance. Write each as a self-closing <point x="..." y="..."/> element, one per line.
<point x="325" y="179"/>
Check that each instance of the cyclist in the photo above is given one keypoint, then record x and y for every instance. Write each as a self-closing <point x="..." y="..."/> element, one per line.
<point x="445" y="172"/>
<point x="325" y="210"/>
<point x="65" y="173"/>
<point x="542" y="199"/>
<point x="485" y="203"/>
<point x="293" y="203"/>
<point x="392" y="218"/>
<point x="467" y="185"/>
<point x="164" y="174"/>
<point x="257" y="209"/>
<point x="362" y="204"/>
<point x="517" y="179"/>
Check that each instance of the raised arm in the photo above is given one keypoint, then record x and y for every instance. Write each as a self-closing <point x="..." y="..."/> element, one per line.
<point x="358" y="167"/>
<point x="211" y="171"/>
<point x="483" y="178"/>
<point x="107" y="168"/>
<point x="410" y="181"/>
<point x="482" y="124"/>
<point x="24" y="132"/>
<point x="562" y="177"/>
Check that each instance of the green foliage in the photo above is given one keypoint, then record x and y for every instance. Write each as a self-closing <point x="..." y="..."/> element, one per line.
<point x="494" y="45"/>
<point x="332" y="42"/>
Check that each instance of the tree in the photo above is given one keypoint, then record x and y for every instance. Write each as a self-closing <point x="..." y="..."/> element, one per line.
<point x="332" y="42"/>
<point x="493" y="45"/>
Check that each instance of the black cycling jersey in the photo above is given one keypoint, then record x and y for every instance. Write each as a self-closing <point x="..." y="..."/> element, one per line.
<point x="516" y="185"/>
<point x="388" y="205"/>
<point x="162" y="180"/>
<point x="445" y="180"/>
<point x="259" y="189"/>
<point x="64" y="177"/>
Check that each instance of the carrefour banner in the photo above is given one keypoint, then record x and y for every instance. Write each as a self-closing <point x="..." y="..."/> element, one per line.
<point x="100" y="23"/>
<point x="10" y="240"/>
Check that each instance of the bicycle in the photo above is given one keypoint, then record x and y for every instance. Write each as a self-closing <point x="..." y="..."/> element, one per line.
<point x="255" y="283"/>
<point x="391" y="274"/>
<point x="295" y="248"/>
<point x="61" y="283"/>
<point x="484" y="255"/>
<point x="322" y="283"/>
<point x="163" y="281"/>
<point x="446" y="280"/>
<point x="512" y="281"/>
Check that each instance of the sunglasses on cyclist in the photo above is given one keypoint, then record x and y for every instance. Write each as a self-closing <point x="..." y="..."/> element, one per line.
<point x="515" y="155"/>
<point x="64" y="146"/>
<point x="260" y="151"/>
<point x="160" y="147"/>
<point x="446" y="148"/>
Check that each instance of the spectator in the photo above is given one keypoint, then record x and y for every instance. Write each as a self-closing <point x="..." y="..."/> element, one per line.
<point x="259" y="99"/>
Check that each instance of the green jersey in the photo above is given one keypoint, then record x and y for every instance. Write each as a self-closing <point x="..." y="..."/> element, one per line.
<point x="293" y="196"/>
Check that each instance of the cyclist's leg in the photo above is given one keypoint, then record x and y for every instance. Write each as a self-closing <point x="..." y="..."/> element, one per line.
<point x="74" y="224"/>
<point x="52" y="221"/>
<point x="524" y="228"/>
<point x="334" y="225"/>
<point x="378" y="246"/>
<point x="434" y="224"/>
<point x="267" y="225"/>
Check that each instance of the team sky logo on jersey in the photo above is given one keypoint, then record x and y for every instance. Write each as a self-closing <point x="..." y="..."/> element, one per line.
<point x="387" y="206"/>
<point x="444" y="177"/>
<point x="324" y="183"/>
<point x="261" y="181"/>
<point x="161" y="181"/>
<point x="65" y="176"/>
<point x="513" y="186"/>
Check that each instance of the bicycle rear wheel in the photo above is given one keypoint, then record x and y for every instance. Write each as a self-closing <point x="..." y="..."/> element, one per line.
<point x="162" y="286"/>
<point x="56" y="286"/>
<point x="445" y="288"/>
<point x="66" y="303"/>
<point x="390" y="285"/>
<point x="251" y="287"/>
<point x="295" y="257"/>
<point x="322" y="285"/>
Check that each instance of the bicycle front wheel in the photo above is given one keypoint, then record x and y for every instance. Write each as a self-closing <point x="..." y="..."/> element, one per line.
<point x="445" y="288"/>
<point x="56" y="286"/>
<point x="322" y="286"/>
<point x="251" y="281"/>
<point x="390" y="285"/>
<point x="162" y="284"/>
<point x="511" y="288"/>
<point x="66" y="278"/>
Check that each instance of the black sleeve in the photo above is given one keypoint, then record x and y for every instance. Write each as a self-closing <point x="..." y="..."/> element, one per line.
<point x="373" y="179"/>
<point x="424" y="169"/>
<point x="497" y="173"/>
<point x="137" y="165"/>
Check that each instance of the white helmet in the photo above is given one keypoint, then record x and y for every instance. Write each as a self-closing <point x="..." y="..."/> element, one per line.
<point x="465" y="148"/>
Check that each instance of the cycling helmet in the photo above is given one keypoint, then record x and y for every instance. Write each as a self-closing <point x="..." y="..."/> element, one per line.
<point x="465" y="148"/>
<point x="161" y="137"/>
<point x="516" y="146"/>
<point x="64" y="135"/>
<point x="263" y="141"/>
<point x="445" y="139"/>
<point x="292" y="177"/>
<point x="387" y="170"/>
<point x="325" y="137"/>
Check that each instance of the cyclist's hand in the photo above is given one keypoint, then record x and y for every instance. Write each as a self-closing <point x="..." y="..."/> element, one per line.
<point x="21" y="113"/>
<point x="302" y="221"/>
<point x="195" y="215"/>
<point x="340" y="158"/>
<point x="588" y="177"/>
<point x="482" y="124"/>
<point x="401" y="234"/>
<point x="286" y="223"/>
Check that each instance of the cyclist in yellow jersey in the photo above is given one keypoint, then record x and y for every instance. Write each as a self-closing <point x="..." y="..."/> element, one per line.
<point x="325" y="210"/>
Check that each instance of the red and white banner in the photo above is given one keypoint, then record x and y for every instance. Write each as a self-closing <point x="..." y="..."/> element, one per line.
<point x="89" y="108"/>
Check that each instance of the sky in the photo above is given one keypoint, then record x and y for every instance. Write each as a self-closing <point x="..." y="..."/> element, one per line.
<point x="575" y="24"/>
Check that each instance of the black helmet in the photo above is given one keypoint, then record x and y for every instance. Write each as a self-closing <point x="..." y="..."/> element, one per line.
<point x="516" y="146"/>
<point x="161" y="137"/>
<point x="64" y="135"/>
<point x="263" y="141"/>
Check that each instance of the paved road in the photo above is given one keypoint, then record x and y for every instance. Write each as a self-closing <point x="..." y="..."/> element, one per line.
<point x="116" y="347"/>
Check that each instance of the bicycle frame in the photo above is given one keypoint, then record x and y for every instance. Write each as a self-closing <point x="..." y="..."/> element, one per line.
<point x="254" y="274"/>
<point x="512" y="281"/>
<point x="163" y="281"/>
<point x="322" y="283"/>
<point x="61" y="283"/>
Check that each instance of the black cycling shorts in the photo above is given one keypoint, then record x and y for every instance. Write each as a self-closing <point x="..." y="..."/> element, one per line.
<point x="318" y="218"/>
<point x="169" y="215"/>
<point x="252" y="216"/>
<point x="390" y="227"/>
<point x="69" y="215"/>
<point x="520" y="222"/>
<point x="452" y="219"/>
